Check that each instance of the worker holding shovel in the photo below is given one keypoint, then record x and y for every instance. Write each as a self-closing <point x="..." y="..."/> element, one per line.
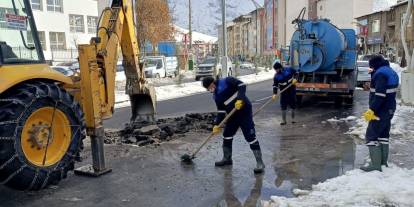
<point x="230" y="93"/>
<point x="285" y="77"/>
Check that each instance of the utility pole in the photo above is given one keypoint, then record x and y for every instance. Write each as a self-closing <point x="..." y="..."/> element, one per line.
<point x="190" y="34"/>
<point x="189" y="25"/>
<point x="223" y="21"/>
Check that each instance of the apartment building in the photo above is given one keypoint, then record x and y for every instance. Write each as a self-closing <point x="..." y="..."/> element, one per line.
<point x="382" y="31"/>
<point x="62" y="25"/>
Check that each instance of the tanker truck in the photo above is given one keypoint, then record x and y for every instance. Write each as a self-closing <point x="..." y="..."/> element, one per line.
<point x="325" y="58"/>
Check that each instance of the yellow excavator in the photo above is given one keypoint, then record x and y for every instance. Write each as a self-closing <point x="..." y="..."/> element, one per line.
<point x="45" y="115"/>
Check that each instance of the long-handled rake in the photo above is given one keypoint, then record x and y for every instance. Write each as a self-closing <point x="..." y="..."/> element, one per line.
<point x="187" y="158"/>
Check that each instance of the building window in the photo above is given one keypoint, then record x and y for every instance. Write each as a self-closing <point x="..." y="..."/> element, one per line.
<point x="76" y="23"/>
<point x="57" y="40"/>
<point x="37" y="5"/>
<point x="42" y="38"/>
<point x="92" y="23"/>
<point x="3" y="12"/>
<point x="376" y="26"/>
<point x="55" y="5"/>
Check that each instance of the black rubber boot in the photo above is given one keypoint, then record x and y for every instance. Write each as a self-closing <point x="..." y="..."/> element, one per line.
<point x="293" y="116"/>
<point x="385" y="148"/>
<point x="260" y="165"/>
<point x="376" y="156"/>
<point x="227" y="151"/>
<point x="283" y="118"/>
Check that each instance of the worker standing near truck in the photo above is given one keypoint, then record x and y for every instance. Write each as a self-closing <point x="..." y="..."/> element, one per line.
<point x="285" y="77"/>
<point x="382" y="105"/>
<point x="230" y="93"/>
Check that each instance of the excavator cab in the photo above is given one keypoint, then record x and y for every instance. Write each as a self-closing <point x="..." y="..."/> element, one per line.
<point x="18" y="35"/>
<point x="45" y="115"/>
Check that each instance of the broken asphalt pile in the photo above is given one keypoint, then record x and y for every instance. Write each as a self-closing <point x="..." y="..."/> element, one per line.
<point x="144" y="133"/>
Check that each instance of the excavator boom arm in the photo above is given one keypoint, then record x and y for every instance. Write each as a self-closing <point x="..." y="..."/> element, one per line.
<point x="98" y="62"/>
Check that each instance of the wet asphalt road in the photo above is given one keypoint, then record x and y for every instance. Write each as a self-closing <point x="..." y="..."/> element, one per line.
<point x="296" y="156"/>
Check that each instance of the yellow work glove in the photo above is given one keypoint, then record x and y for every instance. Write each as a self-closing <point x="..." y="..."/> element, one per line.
<point x="239" y="104"/>
<point x="294" y="81"/>
<point x="216" y="129"/>
<point x="274" y="97"/>
<point x="369" y="115"/>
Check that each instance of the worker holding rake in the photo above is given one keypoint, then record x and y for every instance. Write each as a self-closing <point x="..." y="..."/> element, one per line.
<point x="230" y="93"/>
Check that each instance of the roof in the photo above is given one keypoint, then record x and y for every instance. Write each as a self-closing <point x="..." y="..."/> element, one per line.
<point x="384" y="10"/>
<point x="372" y="13"/>
<point x="197" y="37"/>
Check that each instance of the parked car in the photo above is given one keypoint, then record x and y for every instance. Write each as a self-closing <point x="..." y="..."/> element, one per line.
<point x="364" y="77"/>
<point x="64" y="70"/>
<point x="211" y="68"/>
<point x="369" y="56"/>
<point x="246" y="65"/>
<point x="206" y="68"/>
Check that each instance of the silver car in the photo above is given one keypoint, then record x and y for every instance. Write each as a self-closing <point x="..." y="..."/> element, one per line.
<point x="364" y="77"/>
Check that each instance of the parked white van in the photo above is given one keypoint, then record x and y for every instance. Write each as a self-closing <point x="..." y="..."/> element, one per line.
<point x="160" y="66"/>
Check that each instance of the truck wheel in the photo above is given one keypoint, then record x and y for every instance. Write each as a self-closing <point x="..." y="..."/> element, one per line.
<point x="338" y="101"/>
<point x="157" y="76"/>
<point x="197" y="78"/>
<point x="41" y="133"/>
<point x="299" y="100"/>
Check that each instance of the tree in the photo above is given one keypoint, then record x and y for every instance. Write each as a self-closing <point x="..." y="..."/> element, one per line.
<point x="153" y="22"/>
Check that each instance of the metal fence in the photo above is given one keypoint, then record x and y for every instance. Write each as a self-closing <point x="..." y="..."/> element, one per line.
<point x="64" y="55"/>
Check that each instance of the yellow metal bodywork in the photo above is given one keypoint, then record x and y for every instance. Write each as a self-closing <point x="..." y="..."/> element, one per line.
<point x="98" y="61"/>
<point x="36" y="131"/>
<point x="11" y="75"/>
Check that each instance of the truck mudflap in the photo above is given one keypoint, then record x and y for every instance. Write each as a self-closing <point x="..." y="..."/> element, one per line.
<point x="324" y="89"/>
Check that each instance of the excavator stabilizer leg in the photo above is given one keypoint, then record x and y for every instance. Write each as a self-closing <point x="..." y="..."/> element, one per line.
<point x="98" y="166"/>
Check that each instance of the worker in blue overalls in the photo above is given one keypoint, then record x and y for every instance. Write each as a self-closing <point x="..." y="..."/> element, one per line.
<point x="285" y="77"/>
<point x="382" y="105"/>
<point x="230" y="93"/>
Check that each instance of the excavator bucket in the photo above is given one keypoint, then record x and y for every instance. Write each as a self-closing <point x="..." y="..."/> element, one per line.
<point x="143" y="106"/>
<point x="143" y="99"/>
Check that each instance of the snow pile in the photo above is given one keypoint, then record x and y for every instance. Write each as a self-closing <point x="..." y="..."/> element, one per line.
<point x="397" y="68"/>
<point x="392" y="187"/>
<point x="347" y="119"/>
<point x="401" y="125"/>
<point x="197" y="37"/>
<point x="176" y="91"/>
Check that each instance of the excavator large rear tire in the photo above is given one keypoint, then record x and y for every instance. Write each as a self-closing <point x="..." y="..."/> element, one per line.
<point x="41" y="133"/>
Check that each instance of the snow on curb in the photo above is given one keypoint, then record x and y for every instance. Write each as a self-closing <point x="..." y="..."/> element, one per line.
<point x="186" y="89"/>
<point x="400" y="124"/>
<point x="392" y="187"/>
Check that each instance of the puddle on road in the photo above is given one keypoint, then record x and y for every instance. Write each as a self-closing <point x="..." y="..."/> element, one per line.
<point x="302" y="155"/>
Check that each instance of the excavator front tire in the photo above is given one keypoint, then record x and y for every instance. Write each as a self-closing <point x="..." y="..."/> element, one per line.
<point x="41" y="133"/>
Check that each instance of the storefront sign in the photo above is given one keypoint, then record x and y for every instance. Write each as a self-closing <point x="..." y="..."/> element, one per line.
<point x="16" y="22"/>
